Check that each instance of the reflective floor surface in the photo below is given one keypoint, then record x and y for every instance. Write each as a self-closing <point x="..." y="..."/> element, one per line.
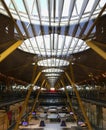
<point x="51" y="126"/>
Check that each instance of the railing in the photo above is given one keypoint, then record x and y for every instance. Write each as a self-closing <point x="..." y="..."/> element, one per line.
<point x="94" y="95"/>
<point x="14" y="123"/>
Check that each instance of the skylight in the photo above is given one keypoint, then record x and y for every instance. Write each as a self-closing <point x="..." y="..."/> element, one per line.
<point x="52" y="74"/>
<point x="53" y="70"/>
<point x="53" y="62"/>
<point x="53" y="45"/>
<point x="43" y="10"/>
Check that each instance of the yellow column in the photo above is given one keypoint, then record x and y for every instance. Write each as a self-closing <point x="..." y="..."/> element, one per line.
<point x="10" y="50"/>
<point x="79" y="101"/>
<point x="26" y="101"/>
<point x="70" y="103"/>
<point x="36" y="100"/>
<point x="96" y="49"/>
<point x="55" y="87"/>
<point x="47" y="86"/>
<point x="37" y="97"/>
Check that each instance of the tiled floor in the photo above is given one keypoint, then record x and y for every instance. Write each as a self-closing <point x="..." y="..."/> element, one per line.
<point x="34" y="125"/>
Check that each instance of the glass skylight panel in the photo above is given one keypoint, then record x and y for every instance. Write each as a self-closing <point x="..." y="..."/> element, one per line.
<point x="71" y="10"/>
<point x="53" y="70"/>
<point x="52" y="74"/>
<point x="89" y="6"/>
<point x="66" y="8"/>
<point x="64" y="47"/>
<point x="53" y="62"/>
<point x="79" y="5"/>
<point x="102" y="3"/>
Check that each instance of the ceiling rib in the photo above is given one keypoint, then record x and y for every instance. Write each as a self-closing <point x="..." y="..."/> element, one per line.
<point x="72" y="3"/>
<point x="90" y="30"/>
<point x="90" y="15"/>
<point x="41" y="26"/>
<point x="23" y="25"/>
<point x="27" y="12"/>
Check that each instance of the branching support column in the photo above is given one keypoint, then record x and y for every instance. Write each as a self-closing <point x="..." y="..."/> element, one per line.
<point x="7" y="52"/>
<point x="70" y="103"/>
<point x="96" y="49"/>
<point x="26" y="101"/>
<point x="79" y="101"/>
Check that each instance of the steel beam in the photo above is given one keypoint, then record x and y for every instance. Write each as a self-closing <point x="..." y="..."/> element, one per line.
<point x="70" y="103"/>
<point x="79" y="101"/>
<point x="7" y="52"/>
<point x="47" y="86"/>
<point x="11" y="17"/>
<point x="26" y="101"/>
<point x="56" y="86"/>
<point x="96" y="49"/>
<point x="95" y="22"/>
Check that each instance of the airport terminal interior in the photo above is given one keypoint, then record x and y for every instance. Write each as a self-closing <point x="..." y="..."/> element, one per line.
<point x="52" y="64"/>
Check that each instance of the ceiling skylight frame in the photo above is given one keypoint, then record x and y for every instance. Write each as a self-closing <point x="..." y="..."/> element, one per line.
<point x="53" y="70"/>
<point x="35" y="18"/>
<point x="52" y="74"/>
<point x="53" y="62"/>
<point x="25" y="29"/>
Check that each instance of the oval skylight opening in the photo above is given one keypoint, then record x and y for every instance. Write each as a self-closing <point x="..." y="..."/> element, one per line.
<point x="52" y="74"/>
<point x="53" y="62"/>
<point x="53" y="45"/>
<point x="53" y="70"/>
